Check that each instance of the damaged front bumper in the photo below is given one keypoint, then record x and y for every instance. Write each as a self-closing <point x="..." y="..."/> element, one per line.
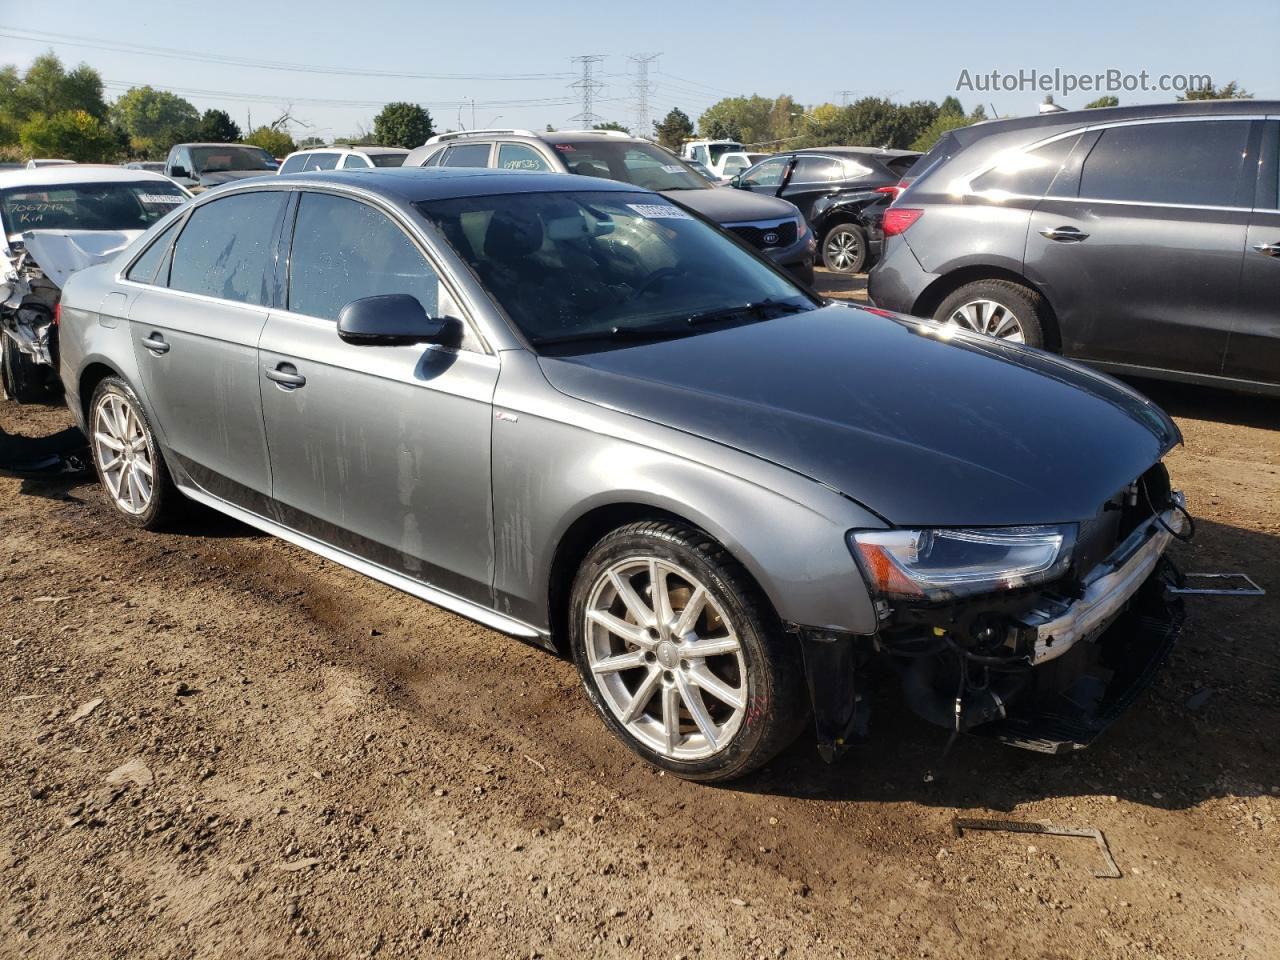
<point x="1046" y="671"/>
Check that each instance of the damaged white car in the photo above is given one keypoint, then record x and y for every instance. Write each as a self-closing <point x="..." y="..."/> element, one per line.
<point x="57" y="220"/>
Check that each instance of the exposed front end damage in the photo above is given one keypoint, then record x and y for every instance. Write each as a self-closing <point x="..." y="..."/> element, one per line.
<point x="1045" y="667"/>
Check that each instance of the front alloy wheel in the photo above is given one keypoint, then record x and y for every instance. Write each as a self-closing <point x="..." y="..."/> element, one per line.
<point x="681" y="654"/>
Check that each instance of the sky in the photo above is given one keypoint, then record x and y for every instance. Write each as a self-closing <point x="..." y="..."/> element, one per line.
<point x="514" y="60"/>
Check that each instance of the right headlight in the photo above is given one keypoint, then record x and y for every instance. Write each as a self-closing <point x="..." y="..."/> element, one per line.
<point x="940" y="564"/>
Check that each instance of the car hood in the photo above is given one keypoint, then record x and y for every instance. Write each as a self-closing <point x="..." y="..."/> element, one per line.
<point x="226" y="176"/>
<point x="728" y="205"/>
<point x="920" y="425"/>
<point x="60" y="253"/>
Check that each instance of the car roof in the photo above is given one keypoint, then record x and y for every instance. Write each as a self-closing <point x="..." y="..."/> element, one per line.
<point x="76" y="173"/>
<point x="857" y="151"/>
<point x="254" y="145"/>
<point x="412" y="184"/>
<point x="1072" y="119"/>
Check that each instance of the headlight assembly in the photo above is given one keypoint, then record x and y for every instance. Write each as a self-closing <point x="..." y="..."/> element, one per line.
<point x="933" y="565"/>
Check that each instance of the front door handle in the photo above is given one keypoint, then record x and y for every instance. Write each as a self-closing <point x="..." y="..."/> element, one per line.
<point x="286" y="376"/>
<point x="1064" y="234"/>
<point x="156" y="344"/>
<point x="1269" y="249"/>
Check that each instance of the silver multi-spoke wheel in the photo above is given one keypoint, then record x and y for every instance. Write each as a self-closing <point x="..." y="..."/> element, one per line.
<point x="989" y="318"/>
<point x="665" y="658"/>
<point x="124" y="453"/>
<point x="844" y="249"/>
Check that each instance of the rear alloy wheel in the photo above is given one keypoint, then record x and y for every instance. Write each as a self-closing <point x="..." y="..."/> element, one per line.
<point x="127" y="456"/>
<point x="678" y="655"/>
<point x="844" y="250"/>
<point x="996" y="308"/>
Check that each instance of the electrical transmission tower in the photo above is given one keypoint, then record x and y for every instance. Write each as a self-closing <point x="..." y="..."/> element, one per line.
<point x="644" y="124"/>
<point x="587" y="86"/>
<point x="845" y="95"/>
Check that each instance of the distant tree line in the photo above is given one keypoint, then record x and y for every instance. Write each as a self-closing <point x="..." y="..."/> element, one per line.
<point x="49" y="111"/>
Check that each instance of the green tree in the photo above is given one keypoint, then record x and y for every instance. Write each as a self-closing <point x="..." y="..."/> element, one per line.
<point x="786" y="118"/>
<point x="275" y="142"/>
<point x="154" y="120"/>
<point x="1228" y="91"/>
<point x="1104" y="101"/>
<point x="71" y="135"/>
<point x="216" y="126"/>
<point x="737" y="118"/>
<point x="951" y="105"/>
<point x="47" y="88"/>
<point x="674" y="129"/>
<point x="944" y="123"/>
<point x="612" y="125"/>
<point x="402" y="125"/>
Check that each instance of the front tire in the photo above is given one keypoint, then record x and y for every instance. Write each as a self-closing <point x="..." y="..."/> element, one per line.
<point x="844" y="249"/>
<point x="127" y="457"/>
<point x="681" y="654"/>
<point x="23" y="378"/>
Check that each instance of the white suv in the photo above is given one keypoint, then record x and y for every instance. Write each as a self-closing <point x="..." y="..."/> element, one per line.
<point x="342" y="157"/>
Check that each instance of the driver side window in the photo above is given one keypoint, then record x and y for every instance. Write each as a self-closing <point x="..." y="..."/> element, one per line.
<point x="767" y="174"/>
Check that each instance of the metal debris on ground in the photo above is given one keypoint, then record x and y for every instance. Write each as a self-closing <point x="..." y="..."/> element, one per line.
<point x="960" y="824"/>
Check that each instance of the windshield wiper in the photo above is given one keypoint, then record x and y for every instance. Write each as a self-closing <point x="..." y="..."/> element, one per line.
<point x="760" y="309"/>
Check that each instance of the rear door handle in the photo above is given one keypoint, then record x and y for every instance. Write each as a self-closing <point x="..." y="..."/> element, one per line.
<point x="1269" y="249"/>
<point x="286" y="375"/>
<point x="1064" y="234"/>
<point x="156" y="344"/>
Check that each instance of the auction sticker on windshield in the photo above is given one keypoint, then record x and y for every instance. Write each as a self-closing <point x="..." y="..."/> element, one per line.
<point x="161" y="198"/>
<point x="659" y="211"/>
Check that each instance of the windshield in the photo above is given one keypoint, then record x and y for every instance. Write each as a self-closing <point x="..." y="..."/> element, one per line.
<point x="88" y="206"/>
<point x="387" y="159"/>
<point x="226" y="157"/>
<point x="642" y="164"/>
<point x="569" y="267"/>
<point x="718" y="150"/>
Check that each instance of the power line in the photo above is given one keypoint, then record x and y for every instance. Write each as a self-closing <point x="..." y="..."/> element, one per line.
<point x="587" y="86"/>
<point x="174" y="53"/>
<point x="644" y="125"/>
<point x="845" y="95"/>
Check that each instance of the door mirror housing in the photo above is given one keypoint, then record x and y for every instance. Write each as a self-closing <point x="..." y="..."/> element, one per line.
<point x="736" y="181"/>
<point x="179" y="172"/>
<point x="390" y="320"/>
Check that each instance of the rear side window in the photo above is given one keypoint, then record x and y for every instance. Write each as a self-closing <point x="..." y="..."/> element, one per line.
<point x="145" y="267"/>
<point x="518" y="156"/>
<point x="816" y="170"/>
<point x="353" y="161"/>
<point x="1195" y="162"/>
<point x="1027" y="173"/>
<point x="344" y="250"/>
<point x="294" y="164"/>
<point x="227" y="249"/>
<point x="467" y="155"/>
<point x="321" y="161"/>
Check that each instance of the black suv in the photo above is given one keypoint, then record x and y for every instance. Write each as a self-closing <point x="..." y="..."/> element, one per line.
<point x="1144" y="240"/>
<point x="842" y="192"/>
<point x="773" y="227"/>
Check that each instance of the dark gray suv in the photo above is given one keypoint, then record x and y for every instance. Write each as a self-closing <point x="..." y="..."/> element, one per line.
<point x="773" y="226"/>
<point x="1143" y="240"/>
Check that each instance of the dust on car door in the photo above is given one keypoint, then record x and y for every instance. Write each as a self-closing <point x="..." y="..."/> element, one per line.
<point x="380" y="451"/>
<point x="195" y="329"/>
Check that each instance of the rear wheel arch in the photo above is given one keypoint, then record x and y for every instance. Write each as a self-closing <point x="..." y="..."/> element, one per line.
<point x="933" y="295"/>
<point x="92" y="375"/>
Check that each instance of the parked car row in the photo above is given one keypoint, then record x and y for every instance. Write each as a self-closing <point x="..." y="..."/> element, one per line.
<point x="1143" y="240"/>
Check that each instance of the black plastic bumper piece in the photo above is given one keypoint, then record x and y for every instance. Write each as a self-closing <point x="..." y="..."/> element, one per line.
<point x="1079" y="695"/>
<point x="832" y="668"/>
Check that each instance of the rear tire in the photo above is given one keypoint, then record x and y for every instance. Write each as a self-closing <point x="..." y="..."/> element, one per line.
<point x="844" y="249"/>
<point x="24" y="380"/>
<point x="128" y="459"/>
<point x="1001" y="309"/>
<point x="703" y="683"/>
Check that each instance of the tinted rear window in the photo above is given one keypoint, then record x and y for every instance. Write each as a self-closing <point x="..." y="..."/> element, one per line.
<point x="1197" y="162"/>
<point x="227" y="248"/>
<point x="1030" y="172"/>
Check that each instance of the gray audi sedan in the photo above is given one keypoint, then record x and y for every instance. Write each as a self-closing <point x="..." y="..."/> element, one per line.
<point x="578" y="413"/>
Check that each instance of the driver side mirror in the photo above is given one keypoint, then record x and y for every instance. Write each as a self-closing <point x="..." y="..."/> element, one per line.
<point x="390" y="320"/>
<point x="177" y="171"/>
<point x="736" y="181"/>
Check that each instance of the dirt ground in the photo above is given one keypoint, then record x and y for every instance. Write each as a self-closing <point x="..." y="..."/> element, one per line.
<point x="217" y="745"/>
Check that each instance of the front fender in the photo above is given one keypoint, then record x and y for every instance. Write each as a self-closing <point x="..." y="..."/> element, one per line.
<point x="556" y="458"/>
